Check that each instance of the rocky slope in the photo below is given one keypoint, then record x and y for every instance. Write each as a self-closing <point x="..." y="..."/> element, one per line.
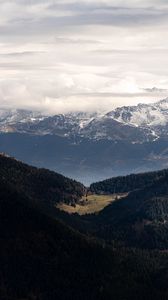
<point x="137" y="124"/>
<point x="147" y="116"/>
<point x="89" y="146"/>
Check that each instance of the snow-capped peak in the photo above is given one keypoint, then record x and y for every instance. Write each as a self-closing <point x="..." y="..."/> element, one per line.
<point x="143" y="115"/>
<point x="136" y="123"/>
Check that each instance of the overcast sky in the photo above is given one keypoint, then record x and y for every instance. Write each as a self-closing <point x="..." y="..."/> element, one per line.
<point x="66" y="55"/>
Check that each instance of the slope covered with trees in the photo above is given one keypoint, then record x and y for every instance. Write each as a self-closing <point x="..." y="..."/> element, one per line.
<point x="40" y="184"/>
<point x="141" y="218"/>
<point x="127" y="183"/>
<point x="41" y="259"/>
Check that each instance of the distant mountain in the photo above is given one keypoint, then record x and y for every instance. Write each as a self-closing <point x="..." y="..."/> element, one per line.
<point x="75" y="126"/>
<point x="148" y="116"/>
<point x="25" y="121"/>
<point x="137" y="124"/>
<point x="89" y="146"/>
<point x="11" y="118"/>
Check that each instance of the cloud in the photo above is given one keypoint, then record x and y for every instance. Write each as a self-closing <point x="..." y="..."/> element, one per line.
<point x="155" y="90"/>
<point x="94" y="54"/>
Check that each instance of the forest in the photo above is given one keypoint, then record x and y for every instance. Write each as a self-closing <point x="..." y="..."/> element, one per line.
<point x="47" y="254"/>
<point x="127" y="183"/>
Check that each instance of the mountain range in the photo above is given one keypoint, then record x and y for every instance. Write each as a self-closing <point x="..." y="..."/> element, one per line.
<point x="141" y="123"/>
<point x="127" y="139"/>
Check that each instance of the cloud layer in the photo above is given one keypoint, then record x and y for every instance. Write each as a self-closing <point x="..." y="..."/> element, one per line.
<point x="94" y="54"/>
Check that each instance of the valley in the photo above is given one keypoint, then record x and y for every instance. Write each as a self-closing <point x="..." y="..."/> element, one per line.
<point x="91" y="204"/>
<point x="116" y="227"/>
<point x="84" y="150"/>
<point x="113" y="246"/>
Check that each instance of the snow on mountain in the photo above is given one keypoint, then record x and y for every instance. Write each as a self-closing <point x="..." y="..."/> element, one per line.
<point x="11" y="118"/>
<point x="18" y="115"/>
<point x="142" y="115"/>
<point x="137" y="124"/>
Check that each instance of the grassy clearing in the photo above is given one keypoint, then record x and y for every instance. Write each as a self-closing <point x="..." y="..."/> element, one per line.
<point x="91" y="204"/>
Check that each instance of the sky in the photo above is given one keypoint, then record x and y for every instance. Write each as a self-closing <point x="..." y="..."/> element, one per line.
<point x="68" y="55"/>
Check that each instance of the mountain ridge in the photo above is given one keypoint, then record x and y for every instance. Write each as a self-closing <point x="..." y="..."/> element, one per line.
<point x="83" y="145"/>
<point x="141" y="218"/>
<point x="143" y="122"/>
<point x="35" y="182"/>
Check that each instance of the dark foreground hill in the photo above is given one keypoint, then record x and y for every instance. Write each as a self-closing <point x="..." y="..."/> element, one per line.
<point x="41" y="259"/>
<point x="141" y="218"/>
<point x="138" y="220"/>
<point x="40" y="184"/>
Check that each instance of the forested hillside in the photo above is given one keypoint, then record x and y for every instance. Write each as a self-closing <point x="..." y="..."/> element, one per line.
<point x="40" y="184"/>
<point x="127" y="183"/>
<point x="41" y="259"/>
<point x="141" y="218"/>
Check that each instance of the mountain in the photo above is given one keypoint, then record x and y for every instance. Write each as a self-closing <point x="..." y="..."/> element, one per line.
<point x="45" y="186"/>
<point x="140" y="219"/>
<point x="148" y="116"/>
<point x="137" y="124"/>
<point x="89" y="146"/>
<point x="42" y="258"/>
<point x="11" y="118"/>
<point x="75" y="126"/>
<point x="86" y="161"/>
<point x="125" y="184"/>
<point x="25" y="121"/>
<point x="145" y="115"/>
